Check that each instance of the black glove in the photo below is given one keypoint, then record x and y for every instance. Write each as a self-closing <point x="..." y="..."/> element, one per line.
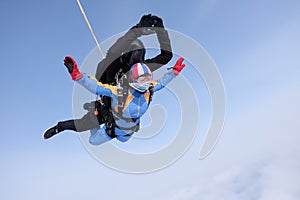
<point x="157" y="22"/>
<point x="145" y="25"/>
<point x="146" y="21"/>
<point x="71" y="65"/>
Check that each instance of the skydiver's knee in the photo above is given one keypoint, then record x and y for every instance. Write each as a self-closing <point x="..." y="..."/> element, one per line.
<point x="123" y="138"/>
<point x="97" y="141"/>
<point x="97" y="137"/>
<point x="92" y="141"/>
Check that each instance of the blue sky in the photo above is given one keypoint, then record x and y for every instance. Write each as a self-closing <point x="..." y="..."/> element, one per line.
<point x="255" y="45"/>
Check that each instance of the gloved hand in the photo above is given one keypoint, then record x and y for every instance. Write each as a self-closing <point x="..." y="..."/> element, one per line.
<point x="71" y="65"/>
<point x="157" y="22"/>
<point x="145" y="25"/>
<point x="178" y="66"/>
<point x="146" y="21"/>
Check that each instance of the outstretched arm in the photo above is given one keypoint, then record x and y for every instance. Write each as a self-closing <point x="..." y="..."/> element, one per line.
<point x="88" y="82"/>
<point x="169" y="76"/>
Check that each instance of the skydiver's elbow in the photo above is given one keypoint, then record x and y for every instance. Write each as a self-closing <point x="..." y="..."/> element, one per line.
<point x="168" y="55"/>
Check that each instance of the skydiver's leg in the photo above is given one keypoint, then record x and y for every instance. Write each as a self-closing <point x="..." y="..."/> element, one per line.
<point x="87" y="122"/>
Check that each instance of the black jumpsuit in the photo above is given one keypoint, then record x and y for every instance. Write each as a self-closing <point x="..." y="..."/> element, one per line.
<point x="111" y="65"/>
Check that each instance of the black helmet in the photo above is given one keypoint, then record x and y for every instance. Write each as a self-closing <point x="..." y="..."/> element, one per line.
<point x="136" y="44"/>
<point x="135" y="52"/>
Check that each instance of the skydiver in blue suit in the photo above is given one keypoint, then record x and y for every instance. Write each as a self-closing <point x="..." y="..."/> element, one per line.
<point x="126" y="119"/>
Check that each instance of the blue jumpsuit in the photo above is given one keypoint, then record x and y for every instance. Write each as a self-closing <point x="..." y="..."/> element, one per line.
<point x="135" y="106"/>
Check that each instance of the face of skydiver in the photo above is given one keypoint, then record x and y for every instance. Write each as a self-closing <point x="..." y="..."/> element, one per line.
<point x="140" y="77"/>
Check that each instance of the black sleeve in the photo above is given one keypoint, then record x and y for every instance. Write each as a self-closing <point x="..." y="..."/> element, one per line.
<point x="123" y="42"/>
<point x="105" y="68"/>
<point x="107" y="71"/>
<point x="165" y="51"/>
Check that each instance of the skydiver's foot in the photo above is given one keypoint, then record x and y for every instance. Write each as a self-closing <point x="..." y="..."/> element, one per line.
<point x="51" y="132"/>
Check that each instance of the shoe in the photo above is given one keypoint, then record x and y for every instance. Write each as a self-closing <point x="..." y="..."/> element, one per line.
<point x="51" y="132"/>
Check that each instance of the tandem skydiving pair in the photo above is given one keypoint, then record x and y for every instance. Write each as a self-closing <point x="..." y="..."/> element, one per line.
<point x="120" y="110"/>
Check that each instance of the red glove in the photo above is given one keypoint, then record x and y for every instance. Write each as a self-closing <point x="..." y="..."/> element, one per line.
<point x="71" y="65"/>
<point x="178" y="66"/>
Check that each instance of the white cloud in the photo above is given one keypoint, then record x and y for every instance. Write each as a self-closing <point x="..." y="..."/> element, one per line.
<point x="258" y="156"/>
<point x="269" y="180"/>
<point x="281" y="180"/>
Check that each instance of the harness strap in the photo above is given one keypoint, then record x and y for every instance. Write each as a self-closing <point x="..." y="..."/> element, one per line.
<point x="134" y="128"/>
<point x="122" y="92"/>
<point x="118" y="117"/>
<point x="110" y="129"/>
<point x="151" y="90"/>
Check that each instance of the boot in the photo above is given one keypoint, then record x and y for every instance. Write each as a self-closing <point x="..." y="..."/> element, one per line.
<point x="51" y="132"/>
